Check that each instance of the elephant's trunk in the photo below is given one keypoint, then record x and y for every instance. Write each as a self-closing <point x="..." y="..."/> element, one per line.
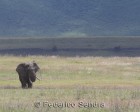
<point x="32" y="76"/>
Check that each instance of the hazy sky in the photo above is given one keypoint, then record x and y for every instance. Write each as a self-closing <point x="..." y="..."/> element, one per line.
<point x="69" y="18"/>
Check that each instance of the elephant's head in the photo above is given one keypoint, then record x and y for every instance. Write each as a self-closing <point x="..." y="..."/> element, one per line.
<point x="32" y="68"/>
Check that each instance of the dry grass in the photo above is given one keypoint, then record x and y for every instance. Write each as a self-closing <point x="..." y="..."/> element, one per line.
<point x="113" y="81"/>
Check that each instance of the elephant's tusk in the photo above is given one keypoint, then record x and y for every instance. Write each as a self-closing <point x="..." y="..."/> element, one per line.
<point x="37" y="78"/>
<point x="40" y="74"/>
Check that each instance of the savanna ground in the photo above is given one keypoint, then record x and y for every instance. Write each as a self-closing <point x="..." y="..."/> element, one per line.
<point x="113" y="82"/>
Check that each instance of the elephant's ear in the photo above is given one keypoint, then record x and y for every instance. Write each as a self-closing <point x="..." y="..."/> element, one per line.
<point x="21" y="68"/>
<point x="36" y="67"/>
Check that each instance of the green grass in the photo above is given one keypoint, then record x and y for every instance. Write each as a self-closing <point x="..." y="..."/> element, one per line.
<point x="112" y="81"/>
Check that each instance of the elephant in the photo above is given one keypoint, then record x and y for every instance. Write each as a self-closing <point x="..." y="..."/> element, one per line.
<point x="27" y="73"/>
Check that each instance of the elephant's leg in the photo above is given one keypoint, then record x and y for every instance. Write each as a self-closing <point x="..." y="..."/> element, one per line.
<point x="23" y="83"/>
<point x="29" y="84"/>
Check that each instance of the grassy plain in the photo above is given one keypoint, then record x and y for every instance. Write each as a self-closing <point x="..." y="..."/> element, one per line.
<point x="113" y="82"/>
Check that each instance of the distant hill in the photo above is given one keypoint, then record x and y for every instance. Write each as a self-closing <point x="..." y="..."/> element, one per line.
<point x="97" y="46"/>
<point x="69" y="18"/>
